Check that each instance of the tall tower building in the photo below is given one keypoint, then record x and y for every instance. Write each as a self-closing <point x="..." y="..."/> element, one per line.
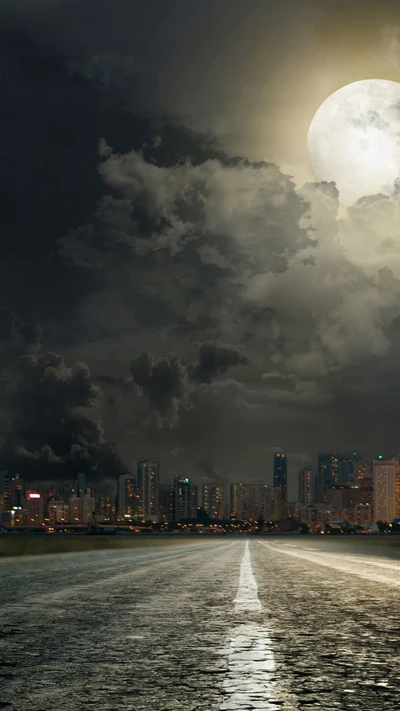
<point x="148" y="476"/>
<point x="126" y="496"/>
<point x="13" y="491"/>
<point x="166" y="503"/>
<point x="327" y="477"/>
<point x="363" y="477"/>
<point x="280" y="473"/>
<point x="384" y="472"/>
<point x="307" y="478"/>
<point x="185" y="498"/>
<point x="214" y="500"/>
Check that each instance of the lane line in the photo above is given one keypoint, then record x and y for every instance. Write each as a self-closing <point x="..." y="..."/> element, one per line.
<point x="250" y="678"/>
<point x="247" y="593"/>
<point x="364" y="568"/>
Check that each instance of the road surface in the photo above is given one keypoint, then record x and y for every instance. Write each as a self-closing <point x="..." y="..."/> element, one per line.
<point x="227" y="625"/>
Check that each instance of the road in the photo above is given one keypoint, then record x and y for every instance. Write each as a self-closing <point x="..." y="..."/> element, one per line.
<point x="227" y="625"/>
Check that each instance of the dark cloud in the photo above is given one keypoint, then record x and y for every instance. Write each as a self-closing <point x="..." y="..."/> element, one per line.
<point x="214" y="360"/>
<point x="53" y="426"/>
<point x="166" y="382"/>
<point x="210" y="473"/>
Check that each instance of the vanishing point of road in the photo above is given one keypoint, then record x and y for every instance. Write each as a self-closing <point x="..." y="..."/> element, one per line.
<point x="202" y="625"/>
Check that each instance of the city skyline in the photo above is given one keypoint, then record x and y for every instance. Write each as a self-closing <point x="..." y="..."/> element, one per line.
<point x="343" y="486"/>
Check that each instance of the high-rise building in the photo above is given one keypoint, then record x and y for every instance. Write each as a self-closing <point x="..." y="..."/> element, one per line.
<point x="127" y="497"/>
<point x="250" y="501"/>
<point x="185" y="498"/>
<point x="307" y="479"/>
<point x="384" y="479"/>
<point x="214" y="500"/>
<point x="280" y="473"/>
<point x="327" y="477"/>
<point x="148" y="475"/>
<point x="13" y="491"/>
<point x="363" y="477"/>
<point x="34" y="508"/>
<point x="166" y="503"/>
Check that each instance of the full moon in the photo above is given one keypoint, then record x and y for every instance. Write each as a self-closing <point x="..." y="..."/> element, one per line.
<point x="354" y="139"/>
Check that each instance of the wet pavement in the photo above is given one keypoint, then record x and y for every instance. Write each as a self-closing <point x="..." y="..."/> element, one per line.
<point x="208" y="625"/>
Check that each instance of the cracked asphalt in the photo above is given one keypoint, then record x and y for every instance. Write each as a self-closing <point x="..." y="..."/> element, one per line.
<point x="141" y="629"/>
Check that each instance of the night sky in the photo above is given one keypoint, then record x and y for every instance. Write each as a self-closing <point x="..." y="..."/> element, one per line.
<point x="169" y="291"/>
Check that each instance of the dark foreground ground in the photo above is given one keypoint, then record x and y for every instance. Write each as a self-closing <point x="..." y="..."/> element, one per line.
<point x="301" y="623"/>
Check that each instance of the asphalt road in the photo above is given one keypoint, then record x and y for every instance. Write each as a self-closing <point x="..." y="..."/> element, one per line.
<point x="205" y="625"/>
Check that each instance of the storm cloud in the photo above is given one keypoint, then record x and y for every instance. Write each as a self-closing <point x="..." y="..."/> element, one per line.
<point x="154" y="231"/>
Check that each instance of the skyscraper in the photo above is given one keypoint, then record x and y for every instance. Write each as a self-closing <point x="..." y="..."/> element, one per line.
<point x="327" y="477"/>
<point x="307" y="477"/>
<point x="13" y="491"/>
<point x="384" y="477"/>
<point x="126" y="496"/>
<point x="147" y="488"/>
<point x="214" y="500"/>
<point x="280" y="473"/>
<point x="250" y="501"/>
<point x="185" y="498"/>
<point x="166" y="503"/>
<point x="363" y="477"/>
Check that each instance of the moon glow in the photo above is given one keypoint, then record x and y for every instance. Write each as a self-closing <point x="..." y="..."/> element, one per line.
<point x="354" y="139"/>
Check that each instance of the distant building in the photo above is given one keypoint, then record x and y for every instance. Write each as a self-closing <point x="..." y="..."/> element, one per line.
<point x="34" y="509"/>
<point x="363" y="477"/>
<point x="81" y="509"/>
<point x="148" y="475"/>
<point x="307" y="480"/>
<point x="280" y="473"/>
<point x="384" y="480"/>
<point x="245" y="501"/>
<point x="105" y="509"/>
<point x="185" y="498"/>
<point x="127" y="498"/>
<point x="87" y="509"/>
<point x="265" y="502"/>
<point x="214" y="500"/>
<point x="58" y="511"/>
<point x="166" y="503"/>
<point x="345" y="497"/>
<point x="74" y="514"/>
<point x="237" y="502"/>
<point x="327" y="477"/>
<point x="13" y="491"/>
<point x="362" y="514"/>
